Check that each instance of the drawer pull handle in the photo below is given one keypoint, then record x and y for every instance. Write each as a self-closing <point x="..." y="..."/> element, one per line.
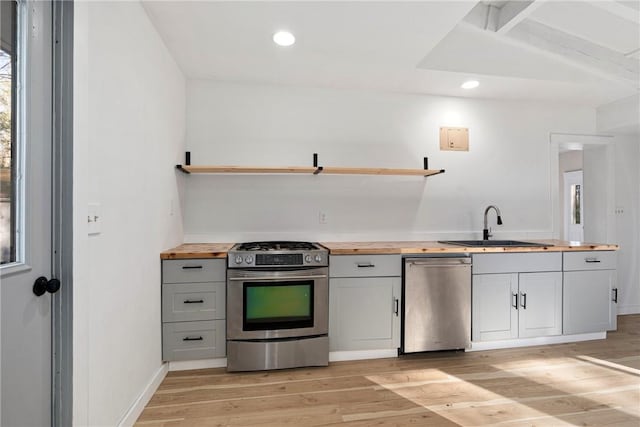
<point x="192" y="339"/>
<point x="591" y="260"/>
<point x="365" y="265"/>
<point x="191" y="267"/>
<point x="194" y="301"/>
<point x="615" y="295"/>
<point x="523" y="300"/>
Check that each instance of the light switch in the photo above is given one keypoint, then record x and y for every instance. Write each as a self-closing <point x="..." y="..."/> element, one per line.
<point x="94" y="219"/>
<point x="454" y="139"/>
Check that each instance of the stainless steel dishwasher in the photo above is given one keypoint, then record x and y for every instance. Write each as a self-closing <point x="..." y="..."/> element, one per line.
<point x="436" y="304"/>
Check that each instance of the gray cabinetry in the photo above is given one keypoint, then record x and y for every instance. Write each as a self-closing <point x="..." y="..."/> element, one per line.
<point x="193" y="309"/>
<point x="364" y="292"/>
<point x="589" y="294"/>
<point x="516" y="295"/>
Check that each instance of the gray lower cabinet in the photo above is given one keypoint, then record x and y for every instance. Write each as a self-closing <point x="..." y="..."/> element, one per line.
<point x="516" y="295"/>
<point x="590" y="295"/>
<point x="193" y="340"/>
<point x="364" y="293"/>
<point x="193" y="309"/>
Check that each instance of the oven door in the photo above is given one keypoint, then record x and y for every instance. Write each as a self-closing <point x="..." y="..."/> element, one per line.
<point x="277" y="304"/>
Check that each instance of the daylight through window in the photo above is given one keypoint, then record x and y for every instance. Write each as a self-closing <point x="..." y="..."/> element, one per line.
<point x="7" y="132"/>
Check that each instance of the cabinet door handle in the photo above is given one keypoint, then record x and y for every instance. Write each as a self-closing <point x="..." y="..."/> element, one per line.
<point x="397" y="306"/>
<point x="194" y="301"/>
<point x="192" y="339"/>
<point x="523" y="300"/>
<point x="591" y="260"/>
<point x="615" y="295"/>
<point x="191" y="267"/>
<point x="365" y="265"/>
<point x="515" y="301"/>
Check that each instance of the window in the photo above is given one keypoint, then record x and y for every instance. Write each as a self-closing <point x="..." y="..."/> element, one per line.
<point x="8" y="149"/>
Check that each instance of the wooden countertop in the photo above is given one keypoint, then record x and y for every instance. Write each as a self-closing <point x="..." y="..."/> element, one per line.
<point x="197" y="250"/>
<point x="432" y="247"/>
<point x="219" y="250"/>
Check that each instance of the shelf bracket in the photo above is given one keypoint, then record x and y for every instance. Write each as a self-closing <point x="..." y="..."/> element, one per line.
<point x="315" y="164"/>
<point x="187" y="162"/>
<point x="426" y="167"/>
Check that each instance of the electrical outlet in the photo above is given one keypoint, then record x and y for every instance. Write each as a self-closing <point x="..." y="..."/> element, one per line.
<point x="619" y="210"/>
<point x="322" y="217"/>
<point x="94" y="219"/>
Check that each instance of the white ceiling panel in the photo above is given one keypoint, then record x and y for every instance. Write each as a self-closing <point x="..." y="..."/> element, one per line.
<point x="592" y="23"/>
<point x="634" y="4"/>
<point x="585" y="51"/>
<point x="471" y="49"/>
<point x="233" y="39"/>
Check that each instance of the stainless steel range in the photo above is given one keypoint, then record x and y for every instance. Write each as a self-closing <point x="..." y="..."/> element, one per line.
<point x="277" y="306"/>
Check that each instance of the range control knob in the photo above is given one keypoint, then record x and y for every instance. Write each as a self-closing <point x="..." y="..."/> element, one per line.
<point x="238" y="259"/>
<point x="307" y="258"/>
<point x="248" y="259"/>
<point x="318" y="258"/>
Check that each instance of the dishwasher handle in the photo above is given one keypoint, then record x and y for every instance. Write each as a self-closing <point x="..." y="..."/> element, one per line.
<point x="439" y="262"/>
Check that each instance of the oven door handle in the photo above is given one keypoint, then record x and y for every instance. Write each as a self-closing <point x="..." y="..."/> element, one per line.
<point x="275" y="279"/>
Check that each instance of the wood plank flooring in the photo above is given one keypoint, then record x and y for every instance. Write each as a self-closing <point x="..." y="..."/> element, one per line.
<point x="594" y="383"/>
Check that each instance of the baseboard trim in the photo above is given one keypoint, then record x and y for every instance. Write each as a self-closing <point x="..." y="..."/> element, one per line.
<point x="186" y="365"/>
<point x="138" y="406"/>
<point x="341" y="356"/>
<point x="628" y="309"/>
<point x="528" y="342"/>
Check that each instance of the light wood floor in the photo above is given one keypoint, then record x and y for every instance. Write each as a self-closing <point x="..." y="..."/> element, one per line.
<point x="590" y="383"/>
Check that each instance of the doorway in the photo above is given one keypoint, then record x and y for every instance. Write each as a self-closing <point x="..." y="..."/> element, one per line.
<point x="594" y="155"/>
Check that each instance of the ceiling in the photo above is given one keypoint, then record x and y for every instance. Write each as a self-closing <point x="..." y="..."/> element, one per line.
<point x="577" y="52"/>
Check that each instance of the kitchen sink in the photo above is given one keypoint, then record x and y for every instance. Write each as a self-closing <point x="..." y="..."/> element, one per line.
<point x="492" y="243"/>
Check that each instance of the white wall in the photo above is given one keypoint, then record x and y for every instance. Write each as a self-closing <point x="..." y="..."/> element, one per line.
<point x="129" y="133"/>
<point x="620" y="116"/>
<point x="507" y="165"/>
<point x="595" y="209"/>
<point x="628" y="221"/>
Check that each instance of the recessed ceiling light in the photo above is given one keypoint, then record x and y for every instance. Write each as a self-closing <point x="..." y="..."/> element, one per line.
<point x="470" y="84"/>
<point x="284" y="38"/>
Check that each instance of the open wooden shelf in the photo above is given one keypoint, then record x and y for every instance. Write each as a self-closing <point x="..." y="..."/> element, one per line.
<point x="380" y="171"/>
<point x="246" y="169"/>
<point x="315" y="169"/>
<point x="307" y="169"/>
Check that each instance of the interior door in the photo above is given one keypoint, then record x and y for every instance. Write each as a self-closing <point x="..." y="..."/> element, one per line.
<point x="25" y="320"/>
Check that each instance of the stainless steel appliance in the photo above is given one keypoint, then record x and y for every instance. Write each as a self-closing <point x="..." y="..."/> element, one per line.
<point x="436" y="304"/>
<point x="277" y="306"/>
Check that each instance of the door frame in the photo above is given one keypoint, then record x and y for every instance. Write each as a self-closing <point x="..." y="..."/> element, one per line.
<point x="62" y="213"/>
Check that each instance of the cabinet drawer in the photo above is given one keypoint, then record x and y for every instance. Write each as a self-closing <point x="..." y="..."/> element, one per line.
<point x="589" y="260"/>
<point x="365" y="265"/>
<point x="193" y="270"/>
<point x="519" y="262"/>
<point x="193" y="340"/>
<point x="193" y="301"/>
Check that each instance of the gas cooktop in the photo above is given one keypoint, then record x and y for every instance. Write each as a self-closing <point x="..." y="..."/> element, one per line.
<point x="276" y="246"/>
<point x="277" y="254"/>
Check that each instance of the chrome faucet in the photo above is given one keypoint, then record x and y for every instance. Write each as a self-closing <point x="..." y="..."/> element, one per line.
<point x="486" y="231"/>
